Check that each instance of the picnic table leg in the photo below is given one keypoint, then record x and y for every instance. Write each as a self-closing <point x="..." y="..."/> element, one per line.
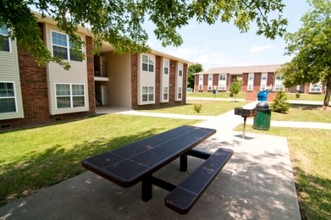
<point x="146" y="189"/>
<point x="183" y="163"/>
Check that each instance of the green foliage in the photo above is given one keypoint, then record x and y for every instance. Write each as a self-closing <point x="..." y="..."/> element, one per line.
<point x="197" y="108"/>
<point x="235" y="88"/>
<point x="280" y="103"/>
<point x="192" y="69"/>
<point x="121" y="22"/>
<point x="311" y="48"/>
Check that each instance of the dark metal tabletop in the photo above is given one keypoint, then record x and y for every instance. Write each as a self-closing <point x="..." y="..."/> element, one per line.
<point x="129" y="164"/>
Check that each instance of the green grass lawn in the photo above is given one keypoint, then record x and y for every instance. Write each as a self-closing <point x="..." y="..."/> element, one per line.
<point x="35" y="158"/>
<point x="290" y="96"/>
<point x="304" y="113"/>
<point x="311" y="160"/>
<point x="305" y="97"/>
<point x="209" y="108"/>
<point x="240" y="95"/>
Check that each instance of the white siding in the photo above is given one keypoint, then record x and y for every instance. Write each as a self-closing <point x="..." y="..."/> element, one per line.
<point x="145" y="78"/>
<point x="264" y="78"/>
<point x="210" y="82"/>
<point x="165" y="80"/>
<point x="250" y="82"/>
<point x="200" y="87"/>
<point x="222" y="82"/>
<point x="179" y="82"/>
<point x="9" y="72"/>
<point x="57" y="75"/>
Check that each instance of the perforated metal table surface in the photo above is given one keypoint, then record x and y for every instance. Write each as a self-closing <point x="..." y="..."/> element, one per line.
<point x="130" y="164"/>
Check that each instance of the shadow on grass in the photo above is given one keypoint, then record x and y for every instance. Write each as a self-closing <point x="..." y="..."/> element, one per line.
<point x="306" y="107"/>
<point x="314" y="195"/>
<point x="55" y="165"/>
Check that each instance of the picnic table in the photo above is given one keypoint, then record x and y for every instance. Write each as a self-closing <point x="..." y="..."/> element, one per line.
<point x="137" y="162"/>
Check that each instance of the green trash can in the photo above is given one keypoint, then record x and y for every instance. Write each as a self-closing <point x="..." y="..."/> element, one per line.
<point x="262" y="117"/>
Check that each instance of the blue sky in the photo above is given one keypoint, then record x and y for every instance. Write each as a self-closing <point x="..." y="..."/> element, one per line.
<point x="222" y="45"/>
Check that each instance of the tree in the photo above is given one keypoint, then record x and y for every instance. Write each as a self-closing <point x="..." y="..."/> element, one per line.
<point x="121" y="22"/>
<point x="311" y="47"/>
<point x="235" y="88"/>
<point x="192" y="69"/>
<point x="280" y="103"/>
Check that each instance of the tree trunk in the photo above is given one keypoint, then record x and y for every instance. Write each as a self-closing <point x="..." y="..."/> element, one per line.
<point x="327" y="92"/>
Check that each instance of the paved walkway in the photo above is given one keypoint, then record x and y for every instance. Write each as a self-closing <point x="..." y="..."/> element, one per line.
<point x="257" y="183"/>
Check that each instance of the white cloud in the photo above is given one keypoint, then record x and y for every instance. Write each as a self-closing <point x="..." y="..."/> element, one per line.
<point x="256" y="49"/>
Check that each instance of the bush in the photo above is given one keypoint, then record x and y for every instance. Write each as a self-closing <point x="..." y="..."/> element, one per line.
<point x="297" y="95"/>
<point x="197" y="108"/>
<point x="280" y="103"/>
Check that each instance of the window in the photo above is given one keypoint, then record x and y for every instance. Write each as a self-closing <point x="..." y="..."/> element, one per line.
<point x="147" y="63"/>
<point x="165" y="93"/>
<point x="222" y="87"/>
<point x="222" y="77"/>
<point x="63" y="48"/>
<point x="4" y="41"/>
<point x="70" y="95"/>
<point x="200" y="87"/>
<point x="179" y="94"/>
<point x="180" y="70"/>
<point x="279" y="87"/>
<point x="250" y="82"/>
<point x="147" y="93"/>
<point x="315" y="88"/>
<point x="7" y="97"/>
<point x="165" y="67"/>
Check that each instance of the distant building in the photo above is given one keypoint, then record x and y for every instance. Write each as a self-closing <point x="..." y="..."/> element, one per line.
<point x="254" y="79"/>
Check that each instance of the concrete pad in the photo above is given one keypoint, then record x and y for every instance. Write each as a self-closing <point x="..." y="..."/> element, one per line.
<point x="256" y="183"/>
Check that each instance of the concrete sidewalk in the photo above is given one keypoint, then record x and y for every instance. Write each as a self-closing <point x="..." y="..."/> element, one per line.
<point x="257" y="183"/>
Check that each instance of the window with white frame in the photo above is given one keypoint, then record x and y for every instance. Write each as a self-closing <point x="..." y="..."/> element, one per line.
<point x="315" y="88"/>
<point x="200" y="82"/>
<point x="279" y="83"/>
<point x="166" y="67"/>
<point x="5" y="41"/>
<point x="210" y="81"/>
<point x="250" y="82"/>
<point x="263" y="81"/>
<point x="7" y="97"/>
<point x="147" y="63"/>
<point x="70" y="95"/>
<point x="222" y="82"/>
<point x="165" y="93"/>
<point x="179" y="93"/>
<point x="147" y="94"/>
<point x="222" y="77"/>
<point x="63" y="48"/>
<point x="180" y="69"/>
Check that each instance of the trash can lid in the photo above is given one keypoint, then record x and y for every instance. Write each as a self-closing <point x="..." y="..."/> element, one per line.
<point x="263" y="105"/>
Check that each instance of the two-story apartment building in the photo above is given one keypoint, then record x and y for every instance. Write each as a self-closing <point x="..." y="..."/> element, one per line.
<point x="30" y="94"/>
<point x="254" y="79"/>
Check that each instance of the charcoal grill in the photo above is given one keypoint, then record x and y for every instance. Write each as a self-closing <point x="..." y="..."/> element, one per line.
<point x="245" y="113"/>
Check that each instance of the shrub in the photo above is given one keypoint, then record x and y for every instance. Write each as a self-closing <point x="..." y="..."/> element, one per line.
<point x="235" y="88"/>
<point x="280" y="103"/>
<point x="197" y="108"/>
<point x="297" y="95"/>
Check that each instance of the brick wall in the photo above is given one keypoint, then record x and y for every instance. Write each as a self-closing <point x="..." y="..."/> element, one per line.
<point x="196" y="83"/>
<point x="215" y="81"/>
<point x="90" y="73"/>
<point x="134" y="81"/>
<point x="157" y="79"/>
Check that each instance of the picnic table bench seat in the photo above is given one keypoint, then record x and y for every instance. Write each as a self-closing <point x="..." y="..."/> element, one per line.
<point x="186" y="194"/>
